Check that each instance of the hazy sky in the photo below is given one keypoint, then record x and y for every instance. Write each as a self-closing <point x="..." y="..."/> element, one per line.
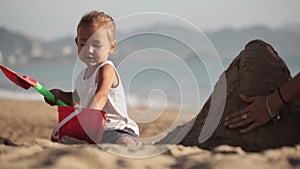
<point x="53" y="19"/>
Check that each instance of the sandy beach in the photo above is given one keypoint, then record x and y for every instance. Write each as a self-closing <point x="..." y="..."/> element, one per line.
<point x="28" y="124"/>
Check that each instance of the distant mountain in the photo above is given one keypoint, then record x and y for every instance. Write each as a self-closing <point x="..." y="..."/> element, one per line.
<point x="16" y="48"/>
<point x="14" y="43"/>
<point x="64" y="49"/>
<point x="228" y="42"/>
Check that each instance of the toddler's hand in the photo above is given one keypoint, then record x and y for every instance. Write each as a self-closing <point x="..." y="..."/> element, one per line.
<point x="56" y="93"/>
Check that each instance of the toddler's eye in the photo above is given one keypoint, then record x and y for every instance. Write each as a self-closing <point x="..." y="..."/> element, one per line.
<point x="82" y="44"/>
<point x="97" y="45"/>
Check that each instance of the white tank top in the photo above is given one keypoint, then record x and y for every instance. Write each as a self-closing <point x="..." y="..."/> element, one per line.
<point x="115" y="106"/>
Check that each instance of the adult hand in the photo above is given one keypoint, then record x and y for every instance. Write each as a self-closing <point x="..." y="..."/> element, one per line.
<point x="251" y="117"/>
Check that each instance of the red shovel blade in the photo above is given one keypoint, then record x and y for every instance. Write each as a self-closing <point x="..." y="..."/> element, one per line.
<point x="23" y="81"/>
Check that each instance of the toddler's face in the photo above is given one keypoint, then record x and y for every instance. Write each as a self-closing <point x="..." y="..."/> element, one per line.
<point x="93" y="44"/>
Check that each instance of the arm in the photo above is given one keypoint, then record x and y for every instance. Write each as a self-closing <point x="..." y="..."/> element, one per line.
<point x="104" y="82"/>
<point x="290" y="91"/>
<point x="256" y="111"/>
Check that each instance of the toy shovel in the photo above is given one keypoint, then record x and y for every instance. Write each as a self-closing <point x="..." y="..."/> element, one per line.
<point x="26" y="82"/>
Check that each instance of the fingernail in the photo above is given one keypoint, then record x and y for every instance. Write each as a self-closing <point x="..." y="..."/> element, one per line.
<point x="225" y="124"/>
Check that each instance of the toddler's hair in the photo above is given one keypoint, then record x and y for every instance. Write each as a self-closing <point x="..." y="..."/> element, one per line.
<point x="101" y="19"/>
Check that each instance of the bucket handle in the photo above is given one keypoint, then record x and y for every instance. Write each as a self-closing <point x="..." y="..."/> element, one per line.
<point x="54" y="135"/>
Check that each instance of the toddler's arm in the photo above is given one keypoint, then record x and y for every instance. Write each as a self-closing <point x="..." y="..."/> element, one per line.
<point x="104" y="83"/>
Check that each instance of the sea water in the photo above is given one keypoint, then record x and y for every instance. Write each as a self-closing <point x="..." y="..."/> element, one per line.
<point x="159" y="83"/>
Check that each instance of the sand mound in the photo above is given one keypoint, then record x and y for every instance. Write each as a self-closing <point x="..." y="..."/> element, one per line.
<point x="257" y="70"/>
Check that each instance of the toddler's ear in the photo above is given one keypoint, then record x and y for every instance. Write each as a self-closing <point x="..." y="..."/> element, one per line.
<point x="76" y="40"/>
<point x="112" y="47"/>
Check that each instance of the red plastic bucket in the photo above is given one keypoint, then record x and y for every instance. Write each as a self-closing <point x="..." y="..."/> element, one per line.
<point x="88" y="125"/>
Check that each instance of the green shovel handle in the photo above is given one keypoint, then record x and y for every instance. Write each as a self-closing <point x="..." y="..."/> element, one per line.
<point x="48" y="95"/>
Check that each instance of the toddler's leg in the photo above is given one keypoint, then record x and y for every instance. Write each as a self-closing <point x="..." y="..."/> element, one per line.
<point x="126" y="140"/>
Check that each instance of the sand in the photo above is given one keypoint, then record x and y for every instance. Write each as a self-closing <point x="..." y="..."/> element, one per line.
<point x="28" y="124"/>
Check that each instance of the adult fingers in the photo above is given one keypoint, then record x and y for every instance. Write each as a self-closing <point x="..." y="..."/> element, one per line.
<point x="249" y="128"/>
<point x="233" y="120"/>
<point x="235" y="114"/>
<point x="241" y="123"/>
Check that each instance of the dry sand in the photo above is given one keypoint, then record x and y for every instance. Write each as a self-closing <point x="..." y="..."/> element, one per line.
<point x="29" y="124"/>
